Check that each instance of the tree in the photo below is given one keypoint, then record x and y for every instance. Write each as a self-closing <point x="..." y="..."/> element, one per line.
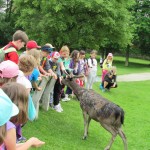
<point x="79" y="24"/>
<point x="142" y="19"/>
<point x="7" y="19"/>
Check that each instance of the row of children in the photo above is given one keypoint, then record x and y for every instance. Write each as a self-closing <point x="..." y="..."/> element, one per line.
<point x="33" y="64"/>
<point x="22" y="70"/>
<point x="14" y="101"/>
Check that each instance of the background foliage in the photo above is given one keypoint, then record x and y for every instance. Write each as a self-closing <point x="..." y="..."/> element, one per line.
<point x="117" y="26"/>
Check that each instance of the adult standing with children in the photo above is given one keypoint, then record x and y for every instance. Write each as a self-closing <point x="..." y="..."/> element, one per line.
<point x="19" y="40"/>
<point x="92" y="64"/>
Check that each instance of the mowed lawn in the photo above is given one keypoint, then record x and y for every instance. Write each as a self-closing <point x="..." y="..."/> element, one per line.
<point x="64" y="131"/>
<point x="135" y="65"/>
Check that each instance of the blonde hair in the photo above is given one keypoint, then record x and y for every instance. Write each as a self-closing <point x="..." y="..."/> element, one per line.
<point x="114" y="69"/>
<point x="19" y="96"/>
<point x="26" y="63"/>
<point x="6" y="80"/>
<point x="93" y="52"/>
<point x="36" y="54"/>
<point x="65" y="48"/>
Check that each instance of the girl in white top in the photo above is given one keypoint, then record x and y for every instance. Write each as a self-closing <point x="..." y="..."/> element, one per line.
<point x="92" y="64"/>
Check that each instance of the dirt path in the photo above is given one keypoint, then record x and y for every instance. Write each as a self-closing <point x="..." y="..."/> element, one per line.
<point x="131" y="77"/>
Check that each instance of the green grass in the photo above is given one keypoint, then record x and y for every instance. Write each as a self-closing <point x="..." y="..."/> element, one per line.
<point x="64" y="131"/>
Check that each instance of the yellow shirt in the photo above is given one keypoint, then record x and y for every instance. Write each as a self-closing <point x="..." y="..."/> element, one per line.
<point x="107" y="64"/>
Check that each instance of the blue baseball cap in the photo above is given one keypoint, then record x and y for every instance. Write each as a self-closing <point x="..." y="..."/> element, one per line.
<point x="7" y="108"/>
<point x="47" y="49"/>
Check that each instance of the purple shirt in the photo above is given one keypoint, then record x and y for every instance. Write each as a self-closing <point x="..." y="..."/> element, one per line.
<point x="9" y="125"/>
<point x="71" y="65"/>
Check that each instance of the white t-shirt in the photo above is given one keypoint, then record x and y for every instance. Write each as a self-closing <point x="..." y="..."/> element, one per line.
<point x="23" y="80"/>
<point x="92" y="64"/>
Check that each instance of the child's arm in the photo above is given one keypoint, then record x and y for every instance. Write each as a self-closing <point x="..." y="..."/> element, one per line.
<point x="42" y="71"/>
<point x="32" y="142"/>
<point x="36" y="86"/>
<point x="10" y="139"/>
<point x="52" y="73"/>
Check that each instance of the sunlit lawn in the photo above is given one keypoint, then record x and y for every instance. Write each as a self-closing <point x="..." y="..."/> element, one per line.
<point x="63" y="131"/>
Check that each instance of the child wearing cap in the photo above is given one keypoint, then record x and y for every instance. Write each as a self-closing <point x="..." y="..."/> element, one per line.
<point x="32" y="45"/>
<point x="20" y="38"/>
<point x="8" y="72"/>
<point x="55" y="96"/>
<point x="14" y="91"/>
<point x="45" y="68"/>
<point x="92" y="64"/>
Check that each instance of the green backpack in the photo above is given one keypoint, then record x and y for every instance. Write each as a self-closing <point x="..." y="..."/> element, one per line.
<point x="3" y="52"/>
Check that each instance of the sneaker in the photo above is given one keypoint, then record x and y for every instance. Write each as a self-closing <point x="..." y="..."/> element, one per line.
<point x="21" y="140"/>
<point x="58" y="108"/>
<point x="103" y="90"/>
<point x="101" y="87"/>
<point x="61" y="108"/>
<point x="65" y="99"/>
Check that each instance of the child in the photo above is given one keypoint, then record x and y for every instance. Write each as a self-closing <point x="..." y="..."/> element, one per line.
<point x="7" y="110"/>
<point x="26" y="66"/>
<point x="8" y="72"/>
<point x="64" y="62"/>
<point x="32" y="45"/>
<point x="20" y="38"/>
<point x="45" y="66"/>
<point x="56" y="93"/>
<point x="74" y="66"/>
<point x="35" y="74"/>
<point x="83" y="63"/>
<point x="107" y="64"/>
<point x="92" y="63"/>
<point x="18" y="94"/>
<point x="109" y="80"/>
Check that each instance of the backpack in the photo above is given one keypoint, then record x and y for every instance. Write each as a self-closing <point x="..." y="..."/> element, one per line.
<point x="3" y="52"/>
<point x="101" y="62"/>
<point x="86" y="67"/>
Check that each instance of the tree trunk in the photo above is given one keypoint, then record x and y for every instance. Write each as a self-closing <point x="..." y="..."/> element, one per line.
<point x="127" y="57"/>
